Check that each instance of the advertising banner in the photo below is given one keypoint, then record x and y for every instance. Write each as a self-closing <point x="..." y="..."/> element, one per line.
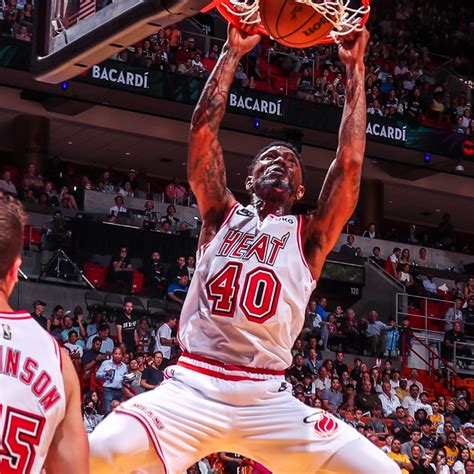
<point x="254" y="103"/>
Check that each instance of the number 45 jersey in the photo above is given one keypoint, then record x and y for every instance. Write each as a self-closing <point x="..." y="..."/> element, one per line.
<point x="247" y="299"/>
<point x="32" y="397"/>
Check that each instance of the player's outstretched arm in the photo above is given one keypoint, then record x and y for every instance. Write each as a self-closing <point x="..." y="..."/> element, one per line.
<point x="340" y="191"/>
<point x="206" y="170"/>
<point x="69" y="450"/>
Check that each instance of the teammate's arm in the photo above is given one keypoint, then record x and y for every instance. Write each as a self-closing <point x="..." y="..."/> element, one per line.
<point x="206" y="170"/>
<point x="340" y="190"/>
<point x="70" y="434"/>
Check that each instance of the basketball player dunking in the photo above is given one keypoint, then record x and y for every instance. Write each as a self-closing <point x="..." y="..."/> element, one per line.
<point x="40" y="407"/>
<point x="257" y="267"/>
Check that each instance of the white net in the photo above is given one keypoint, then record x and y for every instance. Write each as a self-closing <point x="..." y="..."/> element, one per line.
<point x="246" y="10"/>
<point x="344" y="18"/>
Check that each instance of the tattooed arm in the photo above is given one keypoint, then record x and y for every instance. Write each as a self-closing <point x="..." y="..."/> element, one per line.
<point x="206" y="170"/>
<point x="340" y="191"/>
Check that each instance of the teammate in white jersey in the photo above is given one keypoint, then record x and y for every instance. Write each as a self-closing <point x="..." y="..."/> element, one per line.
<point x="255" y="272"/>
<point x="40" y="408"/>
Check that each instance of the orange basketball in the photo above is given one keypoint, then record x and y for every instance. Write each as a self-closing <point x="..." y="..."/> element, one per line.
<point x="293" y="24"/>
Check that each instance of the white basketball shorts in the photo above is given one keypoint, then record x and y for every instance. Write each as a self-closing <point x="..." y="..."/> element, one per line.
<point x="204" y="407"/>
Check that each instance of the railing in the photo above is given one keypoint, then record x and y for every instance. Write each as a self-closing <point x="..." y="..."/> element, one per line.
<point x="208" y="39"/>
<point x="456" y="81"/>
<point x="271" y="52"/>
<point x="387" y="275"/>
<point x="434" y="362"/>
<point x="463" y="357"/>
<point x="427" y="314"/>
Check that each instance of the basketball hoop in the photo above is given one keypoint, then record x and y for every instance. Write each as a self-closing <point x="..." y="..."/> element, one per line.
<point x="244" y="14"/>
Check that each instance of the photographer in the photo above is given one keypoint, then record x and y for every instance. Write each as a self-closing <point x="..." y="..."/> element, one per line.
<point x="132" y="381"/>
<point x="92" y="358"/>
<point x="56" y="235"/>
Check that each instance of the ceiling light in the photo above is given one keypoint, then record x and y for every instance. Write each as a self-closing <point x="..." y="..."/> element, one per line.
<point x="127" y="153"/>
<point x="390" y="202"/>
<point x="459" y="167"/>
<point x="69" y="143"/>
<point x="438" y="210"/>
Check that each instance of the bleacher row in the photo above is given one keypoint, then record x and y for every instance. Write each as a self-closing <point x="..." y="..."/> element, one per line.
<point x="111" y="304"/>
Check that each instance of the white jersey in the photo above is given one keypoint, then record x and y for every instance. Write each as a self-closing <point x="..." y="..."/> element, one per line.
<point x="247" y="300"/>
<point x="32" y="397"/>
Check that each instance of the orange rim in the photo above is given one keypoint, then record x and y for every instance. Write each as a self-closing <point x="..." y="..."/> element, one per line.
<point x="234" y="19"/>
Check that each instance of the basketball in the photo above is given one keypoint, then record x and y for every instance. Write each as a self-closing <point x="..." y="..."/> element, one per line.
<point x="293" y="24"/>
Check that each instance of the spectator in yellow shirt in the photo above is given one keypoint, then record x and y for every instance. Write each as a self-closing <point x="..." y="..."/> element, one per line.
<point x="402" y="460"/>
<point x="436" y="418"/>
<point x="401" y="391"/>
<point x="452" y="451"/>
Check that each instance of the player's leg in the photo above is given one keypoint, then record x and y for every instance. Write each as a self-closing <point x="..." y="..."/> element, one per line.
<point x="175" y="425"/>
<point x="357" y="457"/>
<point x="120" y="444"/>
<point x="287" y="436"/>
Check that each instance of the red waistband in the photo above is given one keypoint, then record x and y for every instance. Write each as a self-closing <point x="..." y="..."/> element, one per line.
<point x="230" y="367"/>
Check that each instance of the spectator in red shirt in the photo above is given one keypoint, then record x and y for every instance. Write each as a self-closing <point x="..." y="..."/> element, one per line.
<point x="210" y="61"/>
<point x="176" y="192"/>
<point x="392" y="262"/>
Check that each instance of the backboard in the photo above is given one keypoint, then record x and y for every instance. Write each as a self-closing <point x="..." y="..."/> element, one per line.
<point x="71" y="36"/>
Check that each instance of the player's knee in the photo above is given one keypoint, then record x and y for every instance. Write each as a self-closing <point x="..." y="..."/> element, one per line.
<point x="101" y="448"/>
<point x="115" y="442"/>
<point x="370" y="460"/>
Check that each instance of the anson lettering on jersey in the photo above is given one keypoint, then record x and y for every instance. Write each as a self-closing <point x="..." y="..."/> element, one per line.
<point x="242" y="246"/>
<point x="28" y="372"/>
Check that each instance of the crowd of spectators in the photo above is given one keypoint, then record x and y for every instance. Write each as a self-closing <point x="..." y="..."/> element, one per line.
<point x="63" y="188"/>
<point x="424" y="429"/>
<point x="416" y="274"/>
<point x="443" y="236"/>
<point x="16" y="19"/>
<point x="168" y="282"/>
<point x="398" y="58"/>
<point x="396" y="86"/>
<point x="415" y="420"/>
<point x="367" y="335"/>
